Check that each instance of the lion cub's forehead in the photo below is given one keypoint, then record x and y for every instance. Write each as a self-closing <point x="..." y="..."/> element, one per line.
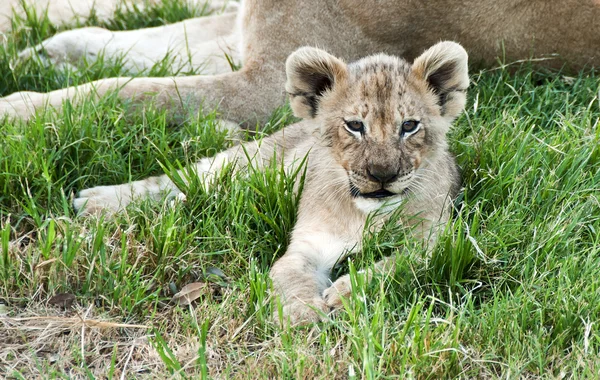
<point x="381" y="88"/>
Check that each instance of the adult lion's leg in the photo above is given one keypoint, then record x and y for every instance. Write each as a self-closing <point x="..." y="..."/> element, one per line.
<point x="57" y="11"/>
<point x="247" y="96"/>
<point x="196" y="43"/>
<point x="66" y="11"/>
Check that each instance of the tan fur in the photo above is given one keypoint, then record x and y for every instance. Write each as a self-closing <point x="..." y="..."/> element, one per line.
<point x="60" y="12"/>
<point x="269" y="30"/>
<point x="200" y="44"/>
<point x="382" y="92"/>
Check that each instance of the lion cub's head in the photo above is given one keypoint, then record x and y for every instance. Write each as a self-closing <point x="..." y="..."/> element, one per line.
<point x="384" y="118"/>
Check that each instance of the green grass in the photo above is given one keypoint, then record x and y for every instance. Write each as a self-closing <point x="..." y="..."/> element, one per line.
<point x="511" y="291"/>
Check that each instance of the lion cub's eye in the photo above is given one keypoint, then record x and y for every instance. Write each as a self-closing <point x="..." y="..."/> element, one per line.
<point x="410" y="126"/>
<point x="355" y="126"/>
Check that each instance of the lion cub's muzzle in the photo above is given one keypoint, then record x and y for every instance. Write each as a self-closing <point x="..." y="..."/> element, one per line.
<point x="380" y="183"/>
<point x="382" y="176"/>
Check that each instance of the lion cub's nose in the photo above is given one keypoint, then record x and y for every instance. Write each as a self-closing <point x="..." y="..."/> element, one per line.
<point x="381" y="174"/>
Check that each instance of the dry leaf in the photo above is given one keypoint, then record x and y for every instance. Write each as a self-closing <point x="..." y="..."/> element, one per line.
<point x="189" y="293"/>
<point x="64" y="300"/>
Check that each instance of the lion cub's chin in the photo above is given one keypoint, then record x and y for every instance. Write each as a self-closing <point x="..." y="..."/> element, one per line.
<point x="380" y="205"/>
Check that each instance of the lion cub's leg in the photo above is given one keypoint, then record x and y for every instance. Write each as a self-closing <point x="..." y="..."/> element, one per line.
<point x="342" y="287"/>
<point x="302" y="274"/>
<point x="115" y="198"/>
<point x="426" y="229"/>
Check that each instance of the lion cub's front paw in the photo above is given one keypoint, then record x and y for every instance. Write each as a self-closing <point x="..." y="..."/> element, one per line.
<point x="333" y="294"/>
<point x="301" y="312"/>
<point x="102" y="198"/>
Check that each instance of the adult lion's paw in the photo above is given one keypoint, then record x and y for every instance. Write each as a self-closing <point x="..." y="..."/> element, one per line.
<point x="302" y="312"/>
<point x="70" y="48"/>
<point x="341" y="288"/>
<point x="102" y="199"/>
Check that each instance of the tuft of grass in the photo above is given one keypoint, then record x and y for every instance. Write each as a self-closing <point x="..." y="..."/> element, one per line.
<point x="511" y="290"/>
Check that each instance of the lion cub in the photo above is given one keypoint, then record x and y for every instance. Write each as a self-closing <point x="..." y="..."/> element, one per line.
<point x="374" y="136"/>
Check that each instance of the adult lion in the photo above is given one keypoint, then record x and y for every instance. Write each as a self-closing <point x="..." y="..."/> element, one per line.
<point x="267" y="31"/>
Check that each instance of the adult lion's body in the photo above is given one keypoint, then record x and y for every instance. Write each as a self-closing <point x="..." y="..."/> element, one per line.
<point x="267" y="31"/>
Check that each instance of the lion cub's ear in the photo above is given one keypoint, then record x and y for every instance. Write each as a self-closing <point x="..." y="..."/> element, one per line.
<point x="445" y="68"/>
<point x="311" y="73"/>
